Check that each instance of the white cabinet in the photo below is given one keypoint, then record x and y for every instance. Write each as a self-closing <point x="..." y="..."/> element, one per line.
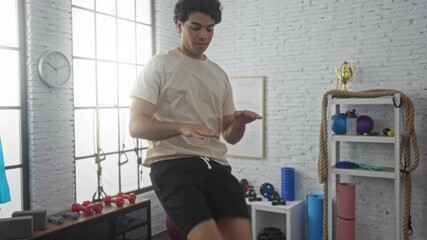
<point x="392" y="171"/>
<point x="288" y="218"/>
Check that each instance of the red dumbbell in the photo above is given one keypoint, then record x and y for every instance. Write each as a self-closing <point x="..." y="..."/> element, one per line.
<point x="131" y="197"/>
<point x="96" y="207"/>
<point x="117" y="200"/>
<point x="77" y="208"/>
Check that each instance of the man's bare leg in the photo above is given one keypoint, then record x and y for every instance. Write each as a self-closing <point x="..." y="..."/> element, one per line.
<point x="205" y="230"/>
<point x="235" y="228"/>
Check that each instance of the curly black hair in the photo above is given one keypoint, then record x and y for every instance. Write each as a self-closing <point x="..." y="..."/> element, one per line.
<point x="183" y="8"/>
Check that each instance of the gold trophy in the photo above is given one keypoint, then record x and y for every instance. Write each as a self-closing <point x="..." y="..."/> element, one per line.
<point x="344" y="74"/>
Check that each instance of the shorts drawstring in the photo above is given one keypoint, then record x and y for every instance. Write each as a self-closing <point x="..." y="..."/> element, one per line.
<point x="206" y="159"/>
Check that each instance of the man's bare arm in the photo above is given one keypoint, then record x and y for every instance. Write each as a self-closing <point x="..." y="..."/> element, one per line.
<point x="234" y="125"/>
<point x="143" y="125"/>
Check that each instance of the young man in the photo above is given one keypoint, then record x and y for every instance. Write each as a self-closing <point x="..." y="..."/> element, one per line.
<point x="182" y="102"/>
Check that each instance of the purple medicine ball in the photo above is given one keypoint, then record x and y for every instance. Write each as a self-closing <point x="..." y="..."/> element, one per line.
<point x="365" y="124"/>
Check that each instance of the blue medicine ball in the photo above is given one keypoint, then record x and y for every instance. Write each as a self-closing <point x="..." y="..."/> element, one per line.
<point x="267" y="190"/>
<point x="339" y="124"/>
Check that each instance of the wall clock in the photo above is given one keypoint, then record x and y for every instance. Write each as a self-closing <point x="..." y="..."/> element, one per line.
<point x="54" y="69"/>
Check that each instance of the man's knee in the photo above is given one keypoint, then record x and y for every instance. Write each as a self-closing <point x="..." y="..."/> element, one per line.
<point x="205" y="230"/>
<point x="235" y="228"/>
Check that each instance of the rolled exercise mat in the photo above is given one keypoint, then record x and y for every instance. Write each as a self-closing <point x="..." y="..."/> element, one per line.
<point x="346" y="201"/>
<point x="315" y="216"/>
<point x="346" y="229"/>
<point x="288" y="184"/>
<point x="346" y="211"/>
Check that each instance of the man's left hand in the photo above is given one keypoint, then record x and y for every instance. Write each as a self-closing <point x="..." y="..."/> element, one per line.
<point x="245" y="116"/>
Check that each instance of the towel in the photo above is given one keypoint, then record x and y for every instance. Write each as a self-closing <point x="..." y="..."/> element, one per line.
<point x="4" y="187"/>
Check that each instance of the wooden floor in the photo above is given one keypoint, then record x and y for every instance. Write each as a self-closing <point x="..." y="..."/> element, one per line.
<point x="161" y="236"/>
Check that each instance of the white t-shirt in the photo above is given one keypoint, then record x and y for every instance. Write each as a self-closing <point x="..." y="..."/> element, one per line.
<point x="186" y="90"/>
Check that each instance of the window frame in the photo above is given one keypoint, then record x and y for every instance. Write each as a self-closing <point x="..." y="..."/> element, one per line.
<point x="139" y="148"/>
<point x="24" y="165"/>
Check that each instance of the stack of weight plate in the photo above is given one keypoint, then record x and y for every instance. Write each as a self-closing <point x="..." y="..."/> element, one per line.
<point x="271" y="233"/>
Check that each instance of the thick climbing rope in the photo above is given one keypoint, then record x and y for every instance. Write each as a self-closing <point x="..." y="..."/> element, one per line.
<point x="406" y="165"/>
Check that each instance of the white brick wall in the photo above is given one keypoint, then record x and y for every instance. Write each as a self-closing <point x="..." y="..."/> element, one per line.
<point x="296" y="45"/>
<point x="50" y="111"/>
<point x="167" y="36"/>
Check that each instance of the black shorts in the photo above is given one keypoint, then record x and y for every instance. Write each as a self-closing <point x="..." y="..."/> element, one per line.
<point x="192" y="190"/>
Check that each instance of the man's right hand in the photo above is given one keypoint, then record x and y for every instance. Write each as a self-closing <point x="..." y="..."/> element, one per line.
<point x="197" y="131"/>
<point x="143" y="125"/>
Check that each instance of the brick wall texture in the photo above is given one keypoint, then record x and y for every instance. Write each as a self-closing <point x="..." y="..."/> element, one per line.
<point x="50" y="111"/>
<point x="296" y="46"/>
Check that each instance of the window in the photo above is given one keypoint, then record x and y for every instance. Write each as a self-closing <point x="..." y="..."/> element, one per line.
<point x="112" y="39"/>
<point x="13" y="131"/>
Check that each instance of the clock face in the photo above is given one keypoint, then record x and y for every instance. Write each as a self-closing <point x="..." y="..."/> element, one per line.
<point x="54" y="69"/>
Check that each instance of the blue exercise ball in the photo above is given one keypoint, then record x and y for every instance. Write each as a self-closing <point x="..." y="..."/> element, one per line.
<point x="339" y="123"/>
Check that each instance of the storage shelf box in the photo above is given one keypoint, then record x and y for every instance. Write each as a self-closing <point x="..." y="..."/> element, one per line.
<point x="288" y="218"/>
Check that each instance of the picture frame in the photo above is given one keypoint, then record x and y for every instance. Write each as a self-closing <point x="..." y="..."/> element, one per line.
<point x="248" y="94"/>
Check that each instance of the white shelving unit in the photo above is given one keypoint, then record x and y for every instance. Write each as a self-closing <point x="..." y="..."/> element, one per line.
<point x="289" y="218"/>
<point x="392" y="173"/>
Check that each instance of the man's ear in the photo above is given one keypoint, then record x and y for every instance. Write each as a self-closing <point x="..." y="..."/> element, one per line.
<point x="179" y="26"/>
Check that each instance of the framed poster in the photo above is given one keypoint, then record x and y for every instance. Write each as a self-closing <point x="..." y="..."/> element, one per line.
<point x="248" y="93"/>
